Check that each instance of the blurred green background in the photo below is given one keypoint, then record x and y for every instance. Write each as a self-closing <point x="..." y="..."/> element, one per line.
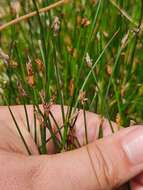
<point x="69" y="54"/>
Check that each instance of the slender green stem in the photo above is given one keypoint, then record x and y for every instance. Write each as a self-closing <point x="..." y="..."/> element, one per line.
<point x="94" y="65"/>
<point x="27" y="118"/>
<point x="85" y="124"/>
<point x="19" y="131"/>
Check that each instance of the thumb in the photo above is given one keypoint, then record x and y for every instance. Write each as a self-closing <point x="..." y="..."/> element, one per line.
<point x="102" y="165"/>
<point x="118" y="158"/>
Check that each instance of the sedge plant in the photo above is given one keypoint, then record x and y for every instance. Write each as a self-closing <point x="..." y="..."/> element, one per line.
<point x="86" y="55"/>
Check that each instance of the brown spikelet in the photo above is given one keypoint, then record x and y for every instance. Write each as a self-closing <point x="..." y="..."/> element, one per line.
<point x="109" y="70"/>
<point x="85" y="22"/>
<point x="40" y="65"/>
<point x="71" y="87"/>
<point x="29" y="67"/>
<point x="82" y="97"/>
<point x="31" y="80"/>
<point x="56" y="25"/>
<point x="118" y="119"/>
<point x="30" y="73"/>
<point x="15" y="7"/>
<point x="21" y="90"/>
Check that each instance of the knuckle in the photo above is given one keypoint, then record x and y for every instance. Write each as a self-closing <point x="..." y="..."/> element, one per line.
<point x="105" y="169"/>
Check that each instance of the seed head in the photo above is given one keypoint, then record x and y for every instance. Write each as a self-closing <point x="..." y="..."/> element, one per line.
<point x="118" y="119"/>
<point x="109" y="70"/>
<point x="88" y="60"/>
<point x="125" y="40"/>
<point x="39" y="64"/>
<point x="85" y="22"/>
<point x="29" y="67"/>
<point x="82" y="97"/>
<point x="56" y="25"/>
<point x="30" y="73"/>
<point x="15" y="7"/>
<point x="4" y="57"/>
<point x="21" y="90"/>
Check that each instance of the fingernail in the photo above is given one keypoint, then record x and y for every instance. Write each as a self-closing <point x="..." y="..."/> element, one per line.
<point x="133" y="145"/>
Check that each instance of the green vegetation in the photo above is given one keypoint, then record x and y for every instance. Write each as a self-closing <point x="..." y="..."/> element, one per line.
<point x="85" y="54"/>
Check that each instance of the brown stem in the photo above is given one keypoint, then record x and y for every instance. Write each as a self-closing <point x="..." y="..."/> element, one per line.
<point x="29" y="15"/>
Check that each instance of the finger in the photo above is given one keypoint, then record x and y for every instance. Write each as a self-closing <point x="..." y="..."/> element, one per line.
<point x="94" y="123"/>
<point x="10" y="139"/>
<point x="109" y="127"/>
<point x="137" y="182"/>
<point x="17" y="171"/>
<point x="110" y="162"/>
<point x="136" y="186"/>
<point x="120" y="157"/>
<point x="139" y="178"/>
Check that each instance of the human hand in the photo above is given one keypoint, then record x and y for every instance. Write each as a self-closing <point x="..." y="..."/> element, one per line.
<point x="108" y="162"/>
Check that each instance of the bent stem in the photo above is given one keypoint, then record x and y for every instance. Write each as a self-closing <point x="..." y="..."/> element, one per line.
<point x="94" y="65"/>
<point x="29" y="15"/>
<point x="85" y="124"/>
<point x="18" y="129"/>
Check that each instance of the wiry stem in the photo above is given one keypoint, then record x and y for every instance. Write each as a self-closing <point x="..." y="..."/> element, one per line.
<point x="94" y="65"/>
<point x="85" y="124"/>
<point x="19" y="131"/>
<point x="123" y="13"/>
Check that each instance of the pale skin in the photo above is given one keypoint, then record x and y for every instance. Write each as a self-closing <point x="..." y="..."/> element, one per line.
<point x="100" y="165"/>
